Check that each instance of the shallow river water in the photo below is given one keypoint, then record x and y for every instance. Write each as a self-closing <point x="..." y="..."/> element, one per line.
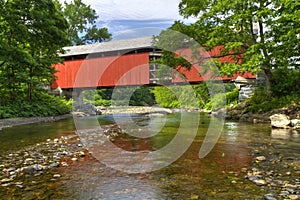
<point x="219" y="175"/>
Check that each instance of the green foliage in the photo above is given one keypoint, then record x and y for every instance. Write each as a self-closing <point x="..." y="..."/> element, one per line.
<point x="286" y="82"/>
<point x="32" y="33"/>
<point x="232" y="97"/>
<point x="256" y="35"/>
<point x="96" y="98"/>
<point x="221" y="100"/>
<point x="169" y="97"/>
<point x="95" y="34"/>
<point x="164" y="97"/>
<point x="140" y="96"/>
<point x="285" y="90"/>
<point x="217" y="102"/>
<point x="202" y="94"/>
<point x="260" y="102"/>
<point x="82" y="19"/>
<point x="42" y="105"/>
<point x="181" y="96"/>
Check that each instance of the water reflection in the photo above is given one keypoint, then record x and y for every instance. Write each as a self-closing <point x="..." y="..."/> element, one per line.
<point x="18" y="137"/>
<point x="188" y="177"/>
<point x="128" y="158"/>
<point x="231" y="129"/>
<point x="280" y="133"/>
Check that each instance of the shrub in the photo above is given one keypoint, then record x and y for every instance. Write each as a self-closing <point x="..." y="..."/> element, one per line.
<point x="260" y="102"/>
<point x="232" y="97"/>
<point x="285" y="82"/>
<point x="41" y="105"/>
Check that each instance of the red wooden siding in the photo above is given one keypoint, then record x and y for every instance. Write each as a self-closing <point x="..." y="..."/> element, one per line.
<point x="130" y="69"/>
<point x="196" y="73"/>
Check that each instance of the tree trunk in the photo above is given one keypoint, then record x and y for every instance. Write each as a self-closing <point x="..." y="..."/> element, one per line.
<point x="30" y="85"/>
<point x="29" y="91"/>
<point x="268" y="76"/>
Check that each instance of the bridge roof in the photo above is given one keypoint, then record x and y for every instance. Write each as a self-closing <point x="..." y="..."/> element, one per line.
<point x="111" y="46"/>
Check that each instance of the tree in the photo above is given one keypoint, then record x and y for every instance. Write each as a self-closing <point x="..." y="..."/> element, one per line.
<point x="32" y="33"/>
<point x="81" y="19"/>
<point x="258" y="35"/>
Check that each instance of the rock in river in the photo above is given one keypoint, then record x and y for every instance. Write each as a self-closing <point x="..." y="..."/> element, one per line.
<point x="280" y="121"/>
<point x="56" y="176"/>
<point x="269" y="197"/>
<point x="260" y="158"/>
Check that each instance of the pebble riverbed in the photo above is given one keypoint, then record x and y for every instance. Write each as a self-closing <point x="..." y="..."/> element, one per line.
<point x="277" y="172"/>
<point x="38" y="159"/>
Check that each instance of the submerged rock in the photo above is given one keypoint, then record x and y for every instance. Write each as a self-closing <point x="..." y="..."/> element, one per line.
<point x="34" y="169"/>
<point x="52" y="165"/>
<point x="56" y="176"/>
<point x="6" y="180"/>
<point x="74" y="159"/>
<point x="260" y="182"/>
<point x="269" y="197"/>
<point x="294" y="197"/>
<point x="260" y="158"/>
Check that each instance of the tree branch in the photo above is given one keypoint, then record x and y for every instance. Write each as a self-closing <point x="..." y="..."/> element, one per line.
<point x="252" y="32"/>
<point x="221" y="56"/>
<point x="262" y="38"/>
<point x="2" y="63"/>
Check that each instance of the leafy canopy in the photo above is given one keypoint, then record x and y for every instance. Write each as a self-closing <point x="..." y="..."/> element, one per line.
<point x="82" y="24"/>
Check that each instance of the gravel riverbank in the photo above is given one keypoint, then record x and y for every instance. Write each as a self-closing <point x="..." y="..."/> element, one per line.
<point x="134" y="110"/>
<point x="6" y="123"/>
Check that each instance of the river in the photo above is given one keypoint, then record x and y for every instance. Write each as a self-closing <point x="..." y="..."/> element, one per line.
<point x="219" y="175"/>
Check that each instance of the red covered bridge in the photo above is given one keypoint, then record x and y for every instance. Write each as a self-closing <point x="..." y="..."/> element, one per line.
<point x="118" y="63"/>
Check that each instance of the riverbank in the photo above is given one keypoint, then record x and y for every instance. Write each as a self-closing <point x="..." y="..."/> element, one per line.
<point x="10" y="122"/>
<point x="242" y="113"/>
<point x="134" y="110"/>
<point x="237" y="113"/>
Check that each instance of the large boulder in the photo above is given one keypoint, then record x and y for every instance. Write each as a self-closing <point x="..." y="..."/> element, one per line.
<point x="280" y="121"/>
<point x="87" y="109"/>
<point x="295" y="123"/>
